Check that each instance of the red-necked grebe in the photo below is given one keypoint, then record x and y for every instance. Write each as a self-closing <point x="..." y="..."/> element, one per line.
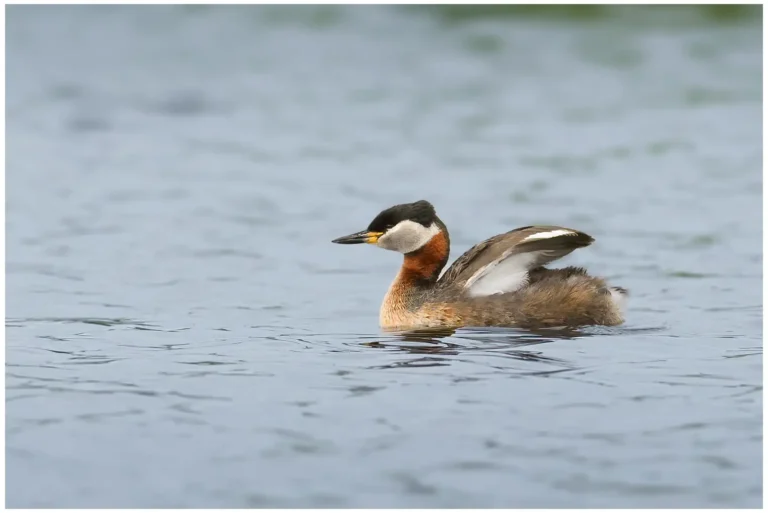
<point x="499" y="282"/>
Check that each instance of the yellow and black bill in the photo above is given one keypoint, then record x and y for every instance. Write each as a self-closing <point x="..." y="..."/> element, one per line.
<point x="364" y="237"/>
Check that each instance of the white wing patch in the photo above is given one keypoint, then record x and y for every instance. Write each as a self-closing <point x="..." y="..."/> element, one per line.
<point x="509" y="272"/>
<point x="502" y="275"/>
<point x="548" y="235"/>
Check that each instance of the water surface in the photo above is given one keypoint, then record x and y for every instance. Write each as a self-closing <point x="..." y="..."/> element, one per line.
<point x="182" y="333"/>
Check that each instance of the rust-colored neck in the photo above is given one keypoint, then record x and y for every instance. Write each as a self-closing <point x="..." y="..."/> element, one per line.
<point x="423" y="266"/>
<point x="420" y="271"/>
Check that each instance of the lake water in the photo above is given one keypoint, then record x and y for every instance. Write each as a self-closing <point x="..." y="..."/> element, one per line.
<point x="181" y="332"/>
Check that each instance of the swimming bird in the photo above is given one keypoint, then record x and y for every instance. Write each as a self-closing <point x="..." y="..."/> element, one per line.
<point x="501" y="281"/>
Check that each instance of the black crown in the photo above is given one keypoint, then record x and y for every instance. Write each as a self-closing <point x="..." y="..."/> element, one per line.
<point x="421" y="212"/>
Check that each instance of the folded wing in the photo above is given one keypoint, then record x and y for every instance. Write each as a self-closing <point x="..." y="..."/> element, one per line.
<point x="501" y="263"/>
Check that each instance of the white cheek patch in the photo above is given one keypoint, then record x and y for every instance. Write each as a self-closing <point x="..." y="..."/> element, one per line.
<point x="407" y="236"/>
<point x="548" y="235"/>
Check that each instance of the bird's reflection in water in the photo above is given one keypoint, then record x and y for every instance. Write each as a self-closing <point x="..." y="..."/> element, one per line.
<point x="437" y="345"/>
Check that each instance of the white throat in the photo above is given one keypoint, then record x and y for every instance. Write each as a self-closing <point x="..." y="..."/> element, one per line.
<point x="407" y="236"/>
